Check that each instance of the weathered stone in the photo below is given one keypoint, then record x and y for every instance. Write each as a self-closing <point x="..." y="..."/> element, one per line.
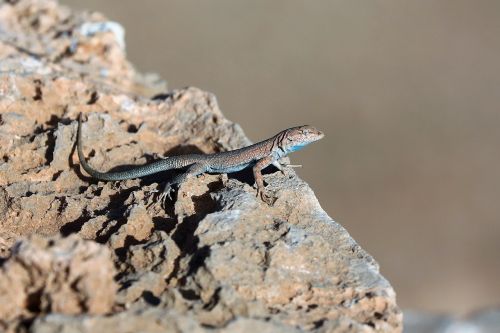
<point x="138" y="228"/>
<point x="44" y="275"/>
<point x="214" y="258"/>
<point x="146" y="267"/>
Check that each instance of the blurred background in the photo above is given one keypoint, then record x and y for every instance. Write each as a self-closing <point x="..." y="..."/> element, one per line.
<point x="408" y="94"/>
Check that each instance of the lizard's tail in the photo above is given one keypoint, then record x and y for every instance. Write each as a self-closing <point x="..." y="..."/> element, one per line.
<point x="137" y="172"/>
<point x="91" y="171"/>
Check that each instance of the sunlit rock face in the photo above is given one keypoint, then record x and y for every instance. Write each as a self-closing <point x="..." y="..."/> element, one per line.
<point x="83" y="256"/>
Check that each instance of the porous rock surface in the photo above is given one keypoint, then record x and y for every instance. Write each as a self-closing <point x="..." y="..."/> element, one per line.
<point x="83" y="256"/>
<point x="67" y="276"/>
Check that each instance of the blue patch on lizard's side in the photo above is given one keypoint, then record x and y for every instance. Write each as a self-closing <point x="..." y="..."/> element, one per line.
<point x="297" y="147"/>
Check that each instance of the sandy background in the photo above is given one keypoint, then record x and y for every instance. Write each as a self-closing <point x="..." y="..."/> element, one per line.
<point x="407" y="93"/>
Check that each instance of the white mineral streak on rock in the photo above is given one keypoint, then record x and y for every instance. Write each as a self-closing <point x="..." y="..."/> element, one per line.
<point x="90" y="29"/>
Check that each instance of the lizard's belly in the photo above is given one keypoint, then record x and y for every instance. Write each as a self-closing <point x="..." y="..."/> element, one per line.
<point x="229" y="169"/>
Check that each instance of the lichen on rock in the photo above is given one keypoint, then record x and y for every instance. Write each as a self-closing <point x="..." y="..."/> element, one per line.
<point x="81" y="255"/>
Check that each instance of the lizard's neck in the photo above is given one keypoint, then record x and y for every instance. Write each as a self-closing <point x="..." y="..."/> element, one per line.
<point x="278" y="145"/>
<point x="285" y="146"/>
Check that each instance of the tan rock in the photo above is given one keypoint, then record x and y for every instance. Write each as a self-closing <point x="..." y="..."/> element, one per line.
<point x="146" y="267"/>
<point x="45" y="275"/>
<point x="138" y="228"/>
<point x="216" y="258"/>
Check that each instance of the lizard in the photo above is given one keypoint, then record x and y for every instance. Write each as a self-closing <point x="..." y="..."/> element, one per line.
<point x="257" y="156"/>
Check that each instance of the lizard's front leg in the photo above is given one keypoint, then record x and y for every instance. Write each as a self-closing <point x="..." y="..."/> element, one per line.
<point x="259" y="180"/>
<point x="192" y="171"/>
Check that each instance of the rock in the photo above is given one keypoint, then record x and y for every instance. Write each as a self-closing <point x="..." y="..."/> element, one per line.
<point x="484" y="321"/>
<point x="138" y="228"/>
<point x="151" y="320"/>
<point x="54" y="275"/>
<point x="215" y="258"/>
<point x="297" y="262"/>
<point x="148" y="320"/>
<point x="146" y="267"/>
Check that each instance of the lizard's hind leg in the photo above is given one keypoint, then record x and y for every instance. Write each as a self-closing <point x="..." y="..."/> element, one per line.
<point x="192" y="171"/>
<point x="259" y="181"/>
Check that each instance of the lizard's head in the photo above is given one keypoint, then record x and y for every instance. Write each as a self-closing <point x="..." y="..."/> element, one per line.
<point x="296" y="138"/>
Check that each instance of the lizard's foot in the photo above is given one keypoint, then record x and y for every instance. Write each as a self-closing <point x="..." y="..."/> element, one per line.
<point x="281" y="166"/>
<point x="261" y="193"/>
<point x="167" y="193"/>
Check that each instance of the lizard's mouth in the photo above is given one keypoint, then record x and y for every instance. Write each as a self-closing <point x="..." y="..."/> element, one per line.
<point x="319" y="135"/>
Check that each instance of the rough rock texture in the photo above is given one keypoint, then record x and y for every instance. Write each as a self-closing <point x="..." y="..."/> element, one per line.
<point x="215" y="259"/>
<point x="68" y="276"/>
